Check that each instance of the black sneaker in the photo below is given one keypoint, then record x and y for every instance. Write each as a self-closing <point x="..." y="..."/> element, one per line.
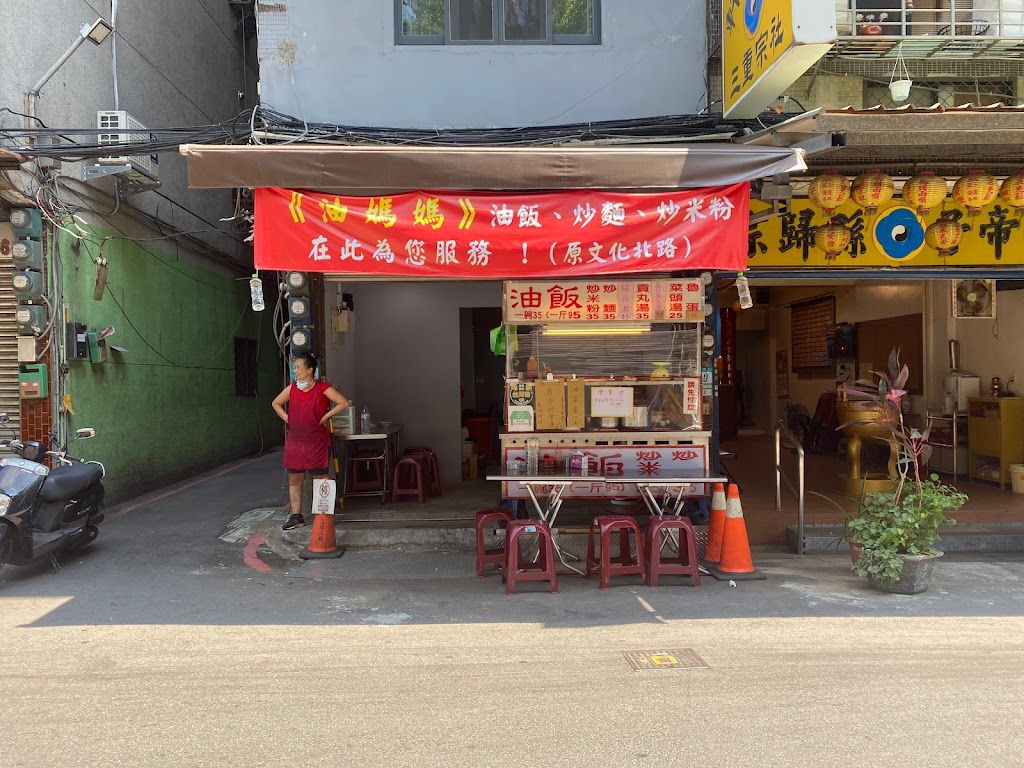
<point x="293" y="521"/>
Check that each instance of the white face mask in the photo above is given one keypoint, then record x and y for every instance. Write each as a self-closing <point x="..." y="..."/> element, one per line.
<point x="304" y="385"/>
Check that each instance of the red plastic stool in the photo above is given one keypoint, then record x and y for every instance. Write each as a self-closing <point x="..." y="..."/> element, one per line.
<point x="365" y="472"/>
<point x="433" y="468"/>
<point x="409" y="477"/>
<point x="515" y="569"/>
<point x="624" y="564"/>
<point x="682" y="564"/>
<point x="489" y="556"/>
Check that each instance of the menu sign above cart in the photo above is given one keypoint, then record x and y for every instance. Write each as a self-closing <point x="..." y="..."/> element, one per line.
<point x="661" y="300"/>
<point x="499" y="235"/>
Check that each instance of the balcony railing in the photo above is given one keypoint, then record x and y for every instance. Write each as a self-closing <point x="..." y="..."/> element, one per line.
<point x="962" y="29"/>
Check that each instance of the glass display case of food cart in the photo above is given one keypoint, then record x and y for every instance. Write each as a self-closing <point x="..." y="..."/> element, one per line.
<point x="606" y="375"/>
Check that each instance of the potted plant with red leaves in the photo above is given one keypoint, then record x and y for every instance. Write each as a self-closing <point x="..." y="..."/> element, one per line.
<point x="895" y="531"/>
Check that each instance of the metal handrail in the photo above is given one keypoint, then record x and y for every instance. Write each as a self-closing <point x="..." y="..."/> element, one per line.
<point x="954" y="21"/>
<point x="782" y="430"/>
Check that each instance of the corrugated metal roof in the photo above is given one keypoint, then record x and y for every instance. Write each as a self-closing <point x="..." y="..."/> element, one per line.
<point x="989" y="109"/>
<point x="943" y="139"/>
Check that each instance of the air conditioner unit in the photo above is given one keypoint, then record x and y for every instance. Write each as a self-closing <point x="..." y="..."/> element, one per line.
<point x="139" y="171"/>
<point x="974" y="298"/>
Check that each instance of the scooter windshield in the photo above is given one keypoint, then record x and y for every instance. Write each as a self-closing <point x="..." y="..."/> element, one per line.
<point x="20" y="480"/>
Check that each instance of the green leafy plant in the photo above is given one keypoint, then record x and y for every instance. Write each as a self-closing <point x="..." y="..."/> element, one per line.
<point x="904" y="521"/>
<point x="906" y="524"/>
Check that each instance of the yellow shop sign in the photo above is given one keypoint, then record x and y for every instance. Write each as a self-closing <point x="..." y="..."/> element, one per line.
<point x="767" y="45"/>
<point x="893" y="237"/>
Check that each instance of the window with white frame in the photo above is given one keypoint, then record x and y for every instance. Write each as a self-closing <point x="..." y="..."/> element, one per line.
<point x="503" y="22"/>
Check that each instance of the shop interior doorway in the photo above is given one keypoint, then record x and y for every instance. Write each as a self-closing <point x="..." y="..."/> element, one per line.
<point x="482" y="385"/>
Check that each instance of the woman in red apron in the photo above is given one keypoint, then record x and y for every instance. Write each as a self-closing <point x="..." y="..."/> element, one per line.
<point x="307" y="441"/>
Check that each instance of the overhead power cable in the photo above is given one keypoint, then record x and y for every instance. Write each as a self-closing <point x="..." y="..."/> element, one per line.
<point x="265" y="125"/>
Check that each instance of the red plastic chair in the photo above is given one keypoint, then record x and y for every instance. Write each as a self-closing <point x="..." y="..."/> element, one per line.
<point x="433" y="468"/>
<point x="622" y="565"/>
<point x="365" y="472"/>
<point x="494" y="556"/>
<point x="410" y="479"/>
<point x="517" y="569"/>
<point x="683" y="563"/>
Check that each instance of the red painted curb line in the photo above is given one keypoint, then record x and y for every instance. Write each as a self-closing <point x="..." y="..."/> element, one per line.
<point x="167" y="494"/>
<point x="251" y="557"/>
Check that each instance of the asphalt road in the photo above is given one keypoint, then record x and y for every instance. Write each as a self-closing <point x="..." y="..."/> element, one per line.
<point x="158" y="646"/>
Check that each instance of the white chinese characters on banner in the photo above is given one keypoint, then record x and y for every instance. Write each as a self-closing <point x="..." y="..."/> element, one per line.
<point x="662" y="300"/>
<point x="691" y="396"/>
<point x="610" y="462"/>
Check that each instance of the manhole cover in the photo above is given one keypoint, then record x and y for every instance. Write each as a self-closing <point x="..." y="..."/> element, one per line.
<point x="680" y="658"/>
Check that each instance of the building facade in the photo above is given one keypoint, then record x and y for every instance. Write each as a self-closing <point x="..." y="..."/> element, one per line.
<point x="478" y="64"/>
<point x="153" y="341"/>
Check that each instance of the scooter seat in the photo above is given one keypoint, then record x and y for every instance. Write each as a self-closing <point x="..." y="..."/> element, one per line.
<point x="66" y="482"/>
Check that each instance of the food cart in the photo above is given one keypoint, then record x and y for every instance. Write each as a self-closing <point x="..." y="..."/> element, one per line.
<point x="612" y="376"/>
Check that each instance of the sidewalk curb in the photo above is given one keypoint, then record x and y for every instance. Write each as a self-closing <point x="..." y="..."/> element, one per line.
<point x="143" y="501"/>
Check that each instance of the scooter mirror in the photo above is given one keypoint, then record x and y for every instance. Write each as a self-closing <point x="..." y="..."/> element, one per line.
<point x="4" y="418"/>
<point x="85" y="433"/>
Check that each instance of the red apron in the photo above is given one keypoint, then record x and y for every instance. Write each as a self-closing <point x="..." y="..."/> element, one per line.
<point x="307" y="442"/>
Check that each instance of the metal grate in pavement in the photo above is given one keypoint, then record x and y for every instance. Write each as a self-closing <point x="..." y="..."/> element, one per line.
<point x="680" y="658"/>
<point x="390" y="566"/>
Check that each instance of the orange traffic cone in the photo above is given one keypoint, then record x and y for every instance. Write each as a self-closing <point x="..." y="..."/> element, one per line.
<point x="736" y="563"/>
<point x="717" y="523"/>
<point x="323" y="542"/>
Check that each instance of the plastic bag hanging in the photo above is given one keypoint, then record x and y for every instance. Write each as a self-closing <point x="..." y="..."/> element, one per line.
<point x="499" y="339"/>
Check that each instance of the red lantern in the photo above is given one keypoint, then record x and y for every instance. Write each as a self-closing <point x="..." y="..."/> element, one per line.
<point x="832" y="238"/>
<point x="924" y="191"/>
<point x="872" y="190"/>
<point x="1012" y="192"/>
<point x="975" y="190"/>
<point x="943" y="235"/>
<point x="829" y="191"/>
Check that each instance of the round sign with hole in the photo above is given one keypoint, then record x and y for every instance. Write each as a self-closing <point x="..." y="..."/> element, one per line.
<point x="899" y="234"/>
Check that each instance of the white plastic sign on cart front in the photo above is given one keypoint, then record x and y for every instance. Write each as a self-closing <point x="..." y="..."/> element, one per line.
<point x="325" y="493"/>
<point x="611" y="401"/>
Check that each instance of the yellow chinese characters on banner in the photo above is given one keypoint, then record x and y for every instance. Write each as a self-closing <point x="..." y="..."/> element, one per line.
<point x="661" y="300"/>
<point x="894" y="237"/>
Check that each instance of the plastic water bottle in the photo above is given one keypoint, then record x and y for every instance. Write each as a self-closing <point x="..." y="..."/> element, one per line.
<point x="532" y="456"/>
<point x="256" y="292"/>
<point x="744" y="291"/>
<point x="364" y="421"/>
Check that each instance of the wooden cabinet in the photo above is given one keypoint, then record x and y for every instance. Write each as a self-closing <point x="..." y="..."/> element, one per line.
<point x="996" y="437"/>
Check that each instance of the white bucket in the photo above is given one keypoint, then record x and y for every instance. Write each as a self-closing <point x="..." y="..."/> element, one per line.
<point x="900" y="90"/>
<point x="1017" y="477"/>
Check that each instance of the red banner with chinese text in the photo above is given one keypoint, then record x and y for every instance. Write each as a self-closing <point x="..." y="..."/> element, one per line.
<point x="496" y="235"/>
<point x="615" y="300"/>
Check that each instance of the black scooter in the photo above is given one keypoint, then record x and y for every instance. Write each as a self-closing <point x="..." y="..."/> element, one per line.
<point x="44" y="512"/>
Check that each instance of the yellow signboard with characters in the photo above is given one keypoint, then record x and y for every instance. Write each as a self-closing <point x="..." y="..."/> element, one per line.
<point x="893" y="237"/>
<point x="766" y="46"/>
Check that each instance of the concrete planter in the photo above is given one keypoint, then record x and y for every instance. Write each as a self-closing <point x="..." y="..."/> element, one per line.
<point x="915" y="576"/>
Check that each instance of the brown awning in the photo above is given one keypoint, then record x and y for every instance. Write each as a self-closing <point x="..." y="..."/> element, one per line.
<point x="365" y="170"/>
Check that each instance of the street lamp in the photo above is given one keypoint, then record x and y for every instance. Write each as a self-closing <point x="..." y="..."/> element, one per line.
<point x="95" y="33"/>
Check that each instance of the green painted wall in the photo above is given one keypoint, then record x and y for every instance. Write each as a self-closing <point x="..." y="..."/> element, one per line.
<point x="166" y="409"/>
